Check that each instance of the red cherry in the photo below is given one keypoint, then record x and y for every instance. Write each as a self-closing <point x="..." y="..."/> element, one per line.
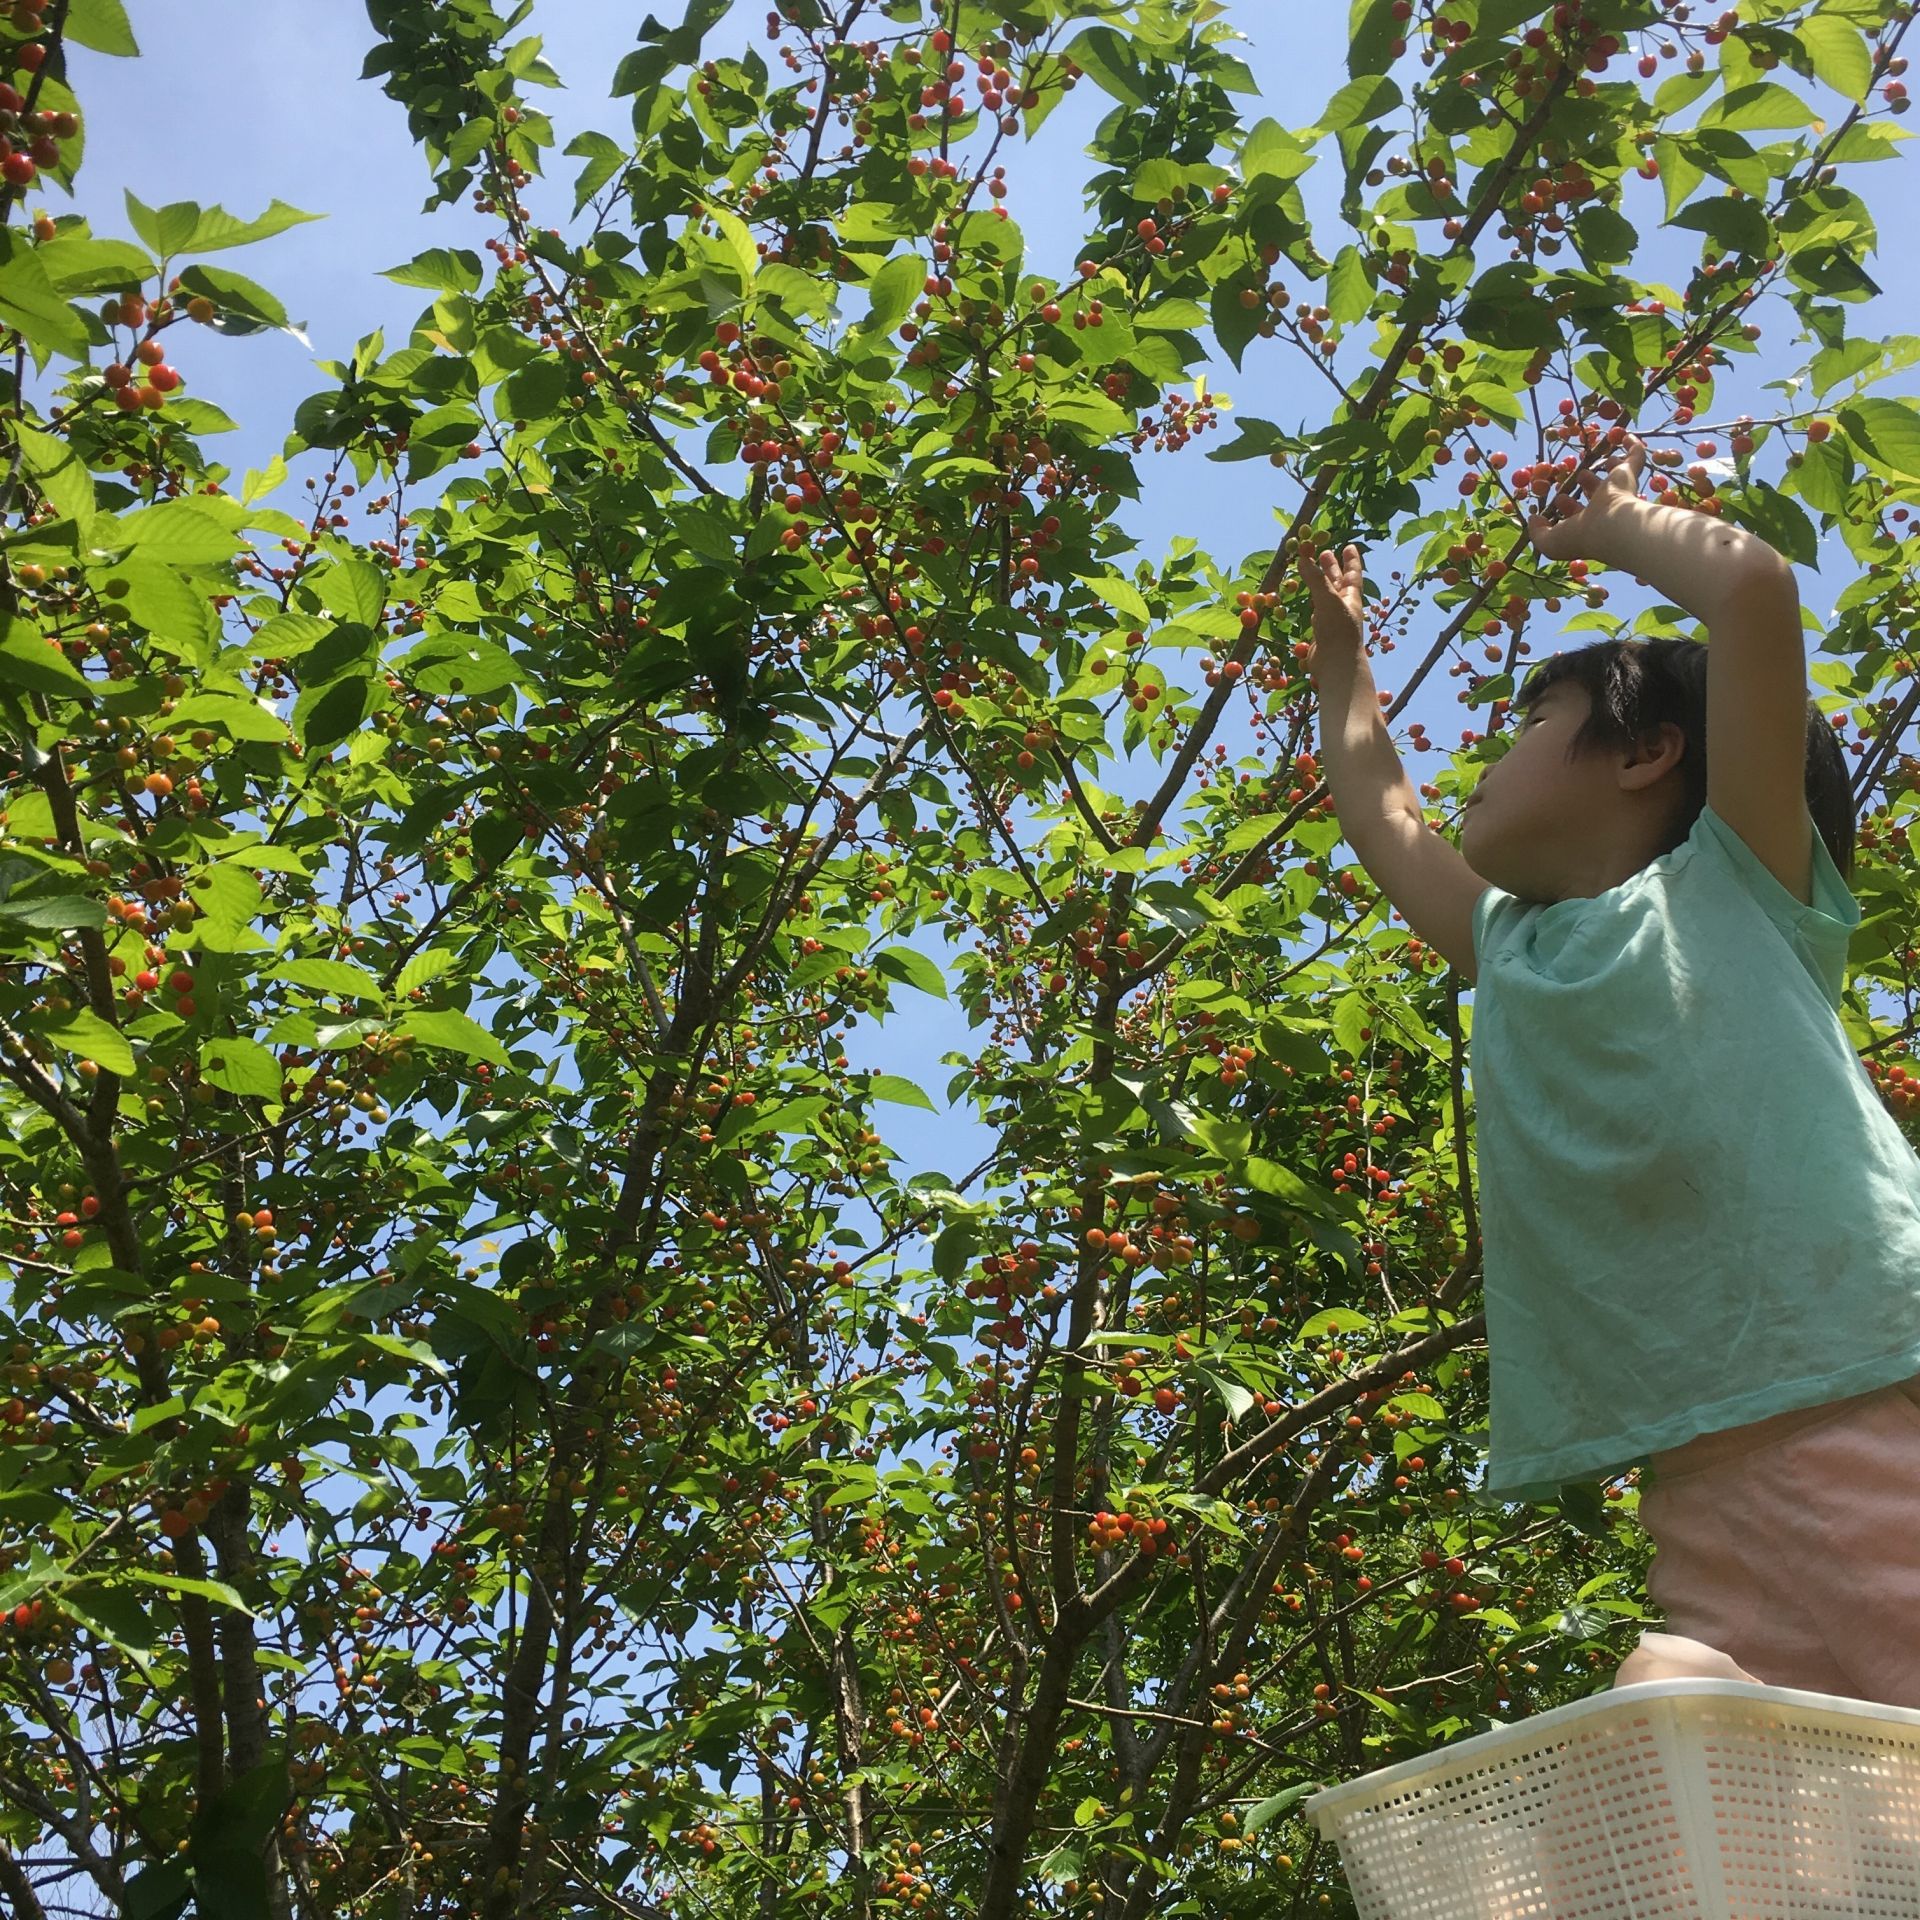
<point x="18" y="169"/>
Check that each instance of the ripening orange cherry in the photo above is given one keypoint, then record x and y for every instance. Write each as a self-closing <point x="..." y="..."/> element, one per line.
<point x="159" y="784"/>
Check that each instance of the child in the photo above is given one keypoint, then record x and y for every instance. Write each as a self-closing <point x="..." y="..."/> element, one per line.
<point x="1700" y="1228"/>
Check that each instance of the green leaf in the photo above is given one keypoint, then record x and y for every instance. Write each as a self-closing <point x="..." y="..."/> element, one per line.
<point x="54" y="913"/>
<point x="422" y="968"/>
<point x="890" y="1086"/>
<point x="165" y="229"/>
<point x="455" y="1031"/>
<point x="891" y="294"/>
<point x="228" y="897"/>
<point x="441" y="269"/>
<point x="1349" y="294"/>
<point x="1371" y="32"/>
<point x="1605" y="237"/>
<point x="1175" y="313"/>
<point x="1778" y="520"/>
<point x="344" y="649"/>
<point x="241" y="1066"/>
<point x="30" y="304"/>
<point x="1838" y="51"/>
<point x="1237" y="1400"/>
<point x="1332" y="1320"/>
<point x="58" y="472"/>
<point x="232" y="293"/>
<point x="1121" y="595"/>
<point x="182" y="227"/>
<point x="799" y="293"/>
<point x="1109" y="62"/>
<point x="159" y="1892"/>
<point x="1357" y="103"/>
<point x="1234" y="324"/>
<point x="28" y="662"/>
<point x="83" y="1032"/>
<point x="237" y="718"/>
<point x="1763" y="104"/>
<point x="1270" y="150"/>
<point x="1102" y="418"/>
<point x="225" y="1845"/>
<point x="75" y="265"/>
<point x="353" y="588"/>
<point x="740" y="242"/>
<point x="459" y="663"/>
<point x="324" y="716"/>
<point x="102" y="25"/>
<point x="188" y="533"/>
<point x="1680" y="173"/>
<point x="334" y="977"/>
<point x="604" y="158"/>
<point x="217" y="1591"/>
<point x="904" y="963"/>
<point x="1735" y="226"/>
<point x="1888" y="430"/>
<point x="288" y="634"/>
<point x="1270" y="1810"/>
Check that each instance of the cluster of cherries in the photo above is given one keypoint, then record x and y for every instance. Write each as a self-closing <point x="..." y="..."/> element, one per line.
<point x="29" y="142"/>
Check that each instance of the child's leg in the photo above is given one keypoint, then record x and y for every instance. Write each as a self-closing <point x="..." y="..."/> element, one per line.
<point x="1799" y="1560"/>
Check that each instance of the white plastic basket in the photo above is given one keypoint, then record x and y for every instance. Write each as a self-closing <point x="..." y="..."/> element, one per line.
<point x="1682" y="1799"/>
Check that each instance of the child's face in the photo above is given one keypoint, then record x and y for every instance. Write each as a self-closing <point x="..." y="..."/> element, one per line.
<point x="1544" y="828"/>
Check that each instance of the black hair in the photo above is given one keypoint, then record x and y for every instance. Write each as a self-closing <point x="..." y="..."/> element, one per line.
<point x="1636" y="686"/>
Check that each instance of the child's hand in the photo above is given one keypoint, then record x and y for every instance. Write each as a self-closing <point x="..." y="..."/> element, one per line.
<point x="1614" y="505"/>
<point x="1338" y="585"/>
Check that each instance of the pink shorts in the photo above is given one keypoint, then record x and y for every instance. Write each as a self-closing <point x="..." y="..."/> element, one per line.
<point x="1793" y="1545"/>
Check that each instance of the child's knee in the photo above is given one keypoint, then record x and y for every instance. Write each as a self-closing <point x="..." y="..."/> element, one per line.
<point x="1672" y="1656"/>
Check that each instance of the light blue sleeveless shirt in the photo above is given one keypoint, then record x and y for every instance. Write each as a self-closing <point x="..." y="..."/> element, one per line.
<point x="1695" y="1211"/>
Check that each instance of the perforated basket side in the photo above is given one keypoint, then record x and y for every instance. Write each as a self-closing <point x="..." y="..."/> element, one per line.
<point x="1689" y="1800"/>
<point x="1483" y="1835"/>
<point x="1809" y="1805"/>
